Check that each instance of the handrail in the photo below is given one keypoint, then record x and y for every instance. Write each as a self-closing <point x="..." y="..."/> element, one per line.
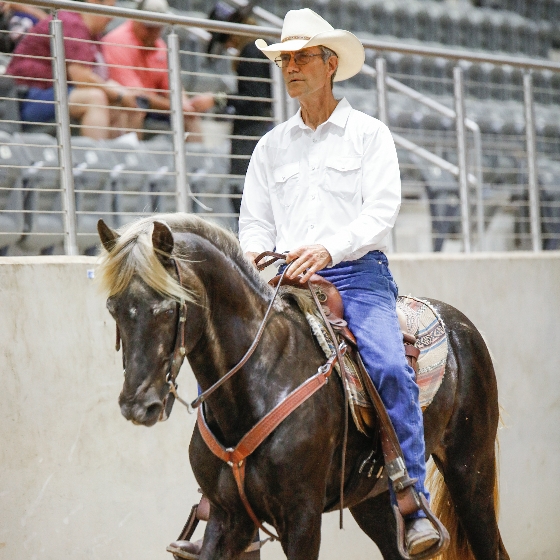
<point x="156" y="17"/>
<point x="202" y="27"/>
<point x="261" y="31"/>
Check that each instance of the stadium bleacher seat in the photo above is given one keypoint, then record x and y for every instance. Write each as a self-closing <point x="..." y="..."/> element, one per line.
<point x="9" y="111"/>
<point x="128" y="179"/>
<point x="12" y="159"/>
<point x="92" y="165"/>
<point x="161" y="182"/>
<point x="42" y="198"/>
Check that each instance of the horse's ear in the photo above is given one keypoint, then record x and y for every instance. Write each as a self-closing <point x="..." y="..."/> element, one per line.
<point x="108" y="236"/>
<point x="162" y="240"/>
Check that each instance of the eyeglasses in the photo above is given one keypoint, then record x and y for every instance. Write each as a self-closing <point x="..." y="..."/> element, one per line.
<point x="300" y="58"/>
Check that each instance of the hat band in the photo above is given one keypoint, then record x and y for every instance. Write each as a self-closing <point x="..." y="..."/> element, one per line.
<point x="292" y="37"/>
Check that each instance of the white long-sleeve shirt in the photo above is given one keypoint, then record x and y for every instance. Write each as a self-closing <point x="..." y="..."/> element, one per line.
<point x="338" y="185"/>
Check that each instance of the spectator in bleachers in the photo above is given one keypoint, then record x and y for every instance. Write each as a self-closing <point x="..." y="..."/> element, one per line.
<point x="246" y="48"/>
<point x="94" y="99"/>
<point x="137" y="56"/>
<point x="21" y="18"/>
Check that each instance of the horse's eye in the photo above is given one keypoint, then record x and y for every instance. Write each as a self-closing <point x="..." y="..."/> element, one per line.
<point x="170" y="312"/>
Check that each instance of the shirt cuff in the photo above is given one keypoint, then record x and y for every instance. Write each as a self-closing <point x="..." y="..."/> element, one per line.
<point x="338" y="246"/>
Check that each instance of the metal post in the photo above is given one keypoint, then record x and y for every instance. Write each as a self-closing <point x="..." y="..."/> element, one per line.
<point x="381" y="79"/>
<point x="63" y="133"/>
<point x="477" y="137"/>
<point x="278" y="95"/>
<point x="383" y="114"/>
<point x="459" y="99"/>
<point x="184" y="203"/>
<point x="534" y="198"/>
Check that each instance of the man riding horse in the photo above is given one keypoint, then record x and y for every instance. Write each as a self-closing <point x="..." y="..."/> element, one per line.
<point x="324" y="187"/>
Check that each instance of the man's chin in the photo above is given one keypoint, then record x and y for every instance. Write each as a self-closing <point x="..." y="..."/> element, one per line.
<point x="295" y="89"/>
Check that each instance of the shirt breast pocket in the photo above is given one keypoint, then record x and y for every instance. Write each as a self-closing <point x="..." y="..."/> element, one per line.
<point x="343" y="176"/>
<point x="286" y="183"/>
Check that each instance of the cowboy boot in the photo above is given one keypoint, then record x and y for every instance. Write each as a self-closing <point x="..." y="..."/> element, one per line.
<point x="420" y="535"/>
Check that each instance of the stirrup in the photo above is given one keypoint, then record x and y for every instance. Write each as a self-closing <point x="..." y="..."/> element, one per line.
<point x="436" y="548"/>
<point x="201" y="512"/>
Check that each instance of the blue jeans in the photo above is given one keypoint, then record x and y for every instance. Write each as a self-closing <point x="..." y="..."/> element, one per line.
<point x="39" y="112"/>
<point x="369" y="294"/>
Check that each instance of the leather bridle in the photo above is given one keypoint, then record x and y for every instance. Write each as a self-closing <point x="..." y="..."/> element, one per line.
<point x="177" y="357"/>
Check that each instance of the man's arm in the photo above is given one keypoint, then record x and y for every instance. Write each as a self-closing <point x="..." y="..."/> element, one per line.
<point x="257" y="230"/>
<point x="117" y="94"/>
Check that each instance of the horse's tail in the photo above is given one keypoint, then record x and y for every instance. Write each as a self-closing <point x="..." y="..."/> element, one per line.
<point x="442" y="506"/>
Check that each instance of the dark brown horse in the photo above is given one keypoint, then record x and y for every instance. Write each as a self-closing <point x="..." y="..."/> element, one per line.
<point x="294" y="476"/>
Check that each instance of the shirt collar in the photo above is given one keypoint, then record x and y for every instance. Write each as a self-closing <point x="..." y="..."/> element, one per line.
<point x="339" y="116"/>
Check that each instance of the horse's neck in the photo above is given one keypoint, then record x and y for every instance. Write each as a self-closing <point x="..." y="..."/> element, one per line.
<point x="233" y="313"/>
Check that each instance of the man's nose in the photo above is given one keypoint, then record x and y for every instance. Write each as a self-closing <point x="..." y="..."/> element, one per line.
<point x="292" y="66"/>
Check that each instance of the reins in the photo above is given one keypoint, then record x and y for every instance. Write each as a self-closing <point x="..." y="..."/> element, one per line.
<point x="203" y="396"/>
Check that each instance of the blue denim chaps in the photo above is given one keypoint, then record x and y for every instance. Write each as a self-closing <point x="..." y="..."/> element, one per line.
<point x="369" y="295"/>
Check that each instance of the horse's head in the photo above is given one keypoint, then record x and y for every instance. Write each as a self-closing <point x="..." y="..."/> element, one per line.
<point x="148" y="303"/>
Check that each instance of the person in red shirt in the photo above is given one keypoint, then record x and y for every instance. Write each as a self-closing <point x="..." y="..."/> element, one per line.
<point x="137" y="58"/>
<point x="94" y="99"/>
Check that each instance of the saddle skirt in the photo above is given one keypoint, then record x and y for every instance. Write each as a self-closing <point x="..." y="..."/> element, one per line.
<point x="418" y="318"/>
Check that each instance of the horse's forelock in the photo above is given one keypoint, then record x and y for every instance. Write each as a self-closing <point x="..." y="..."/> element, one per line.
<point x="133" y="254"/>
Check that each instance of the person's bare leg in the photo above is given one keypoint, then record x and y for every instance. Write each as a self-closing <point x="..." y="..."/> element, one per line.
<point x="90" y="107"/>
<point x="193" y="128"/>
<point x="123" y="121"/>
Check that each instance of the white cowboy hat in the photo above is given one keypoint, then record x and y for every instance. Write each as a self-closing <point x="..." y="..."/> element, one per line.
<point x="304" y="28"/>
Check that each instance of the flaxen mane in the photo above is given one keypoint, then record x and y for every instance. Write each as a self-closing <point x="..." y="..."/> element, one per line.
<point x="134" y="254"/>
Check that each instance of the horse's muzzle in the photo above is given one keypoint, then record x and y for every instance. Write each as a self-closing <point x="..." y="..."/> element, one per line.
<point x="145" y="411"/>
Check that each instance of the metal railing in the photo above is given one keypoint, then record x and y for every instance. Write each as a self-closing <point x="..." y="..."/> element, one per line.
<point x="466" y="165"/>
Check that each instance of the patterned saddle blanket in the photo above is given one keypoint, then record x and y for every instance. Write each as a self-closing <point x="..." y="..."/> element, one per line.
<point x="421" y="320"/>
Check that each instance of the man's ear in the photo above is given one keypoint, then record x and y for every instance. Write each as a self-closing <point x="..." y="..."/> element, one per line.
<point x="333" y="65"/>
<point x="162" y="240"/>
<point x="108" y="236"/>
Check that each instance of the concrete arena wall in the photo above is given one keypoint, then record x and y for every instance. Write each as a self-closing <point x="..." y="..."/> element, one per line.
<point x="77" y="481"/>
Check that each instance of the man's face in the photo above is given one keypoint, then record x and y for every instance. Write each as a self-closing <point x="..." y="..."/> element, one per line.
<point x="147" y="34"/>
<point x="305" y="79"/>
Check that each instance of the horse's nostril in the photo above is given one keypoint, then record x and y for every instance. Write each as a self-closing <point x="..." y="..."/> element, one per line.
<point x="153" y="410"/>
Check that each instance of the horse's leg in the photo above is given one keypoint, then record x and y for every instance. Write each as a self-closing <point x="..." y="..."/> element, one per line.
<point x="300" y="532"/>
<point x="376" y="519"/>
<point x="227" y="535"/>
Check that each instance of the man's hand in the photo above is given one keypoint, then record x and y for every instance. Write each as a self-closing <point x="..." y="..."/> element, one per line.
<point x="250" y="256"/>
<point x="307" y="260"/>
<point x="129" y="99"/>
<point x="201" y="103"/>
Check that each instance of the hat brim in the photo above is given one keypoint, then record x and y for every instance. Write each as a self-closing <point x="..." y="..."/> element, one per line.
<point x="350" y="51"/>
